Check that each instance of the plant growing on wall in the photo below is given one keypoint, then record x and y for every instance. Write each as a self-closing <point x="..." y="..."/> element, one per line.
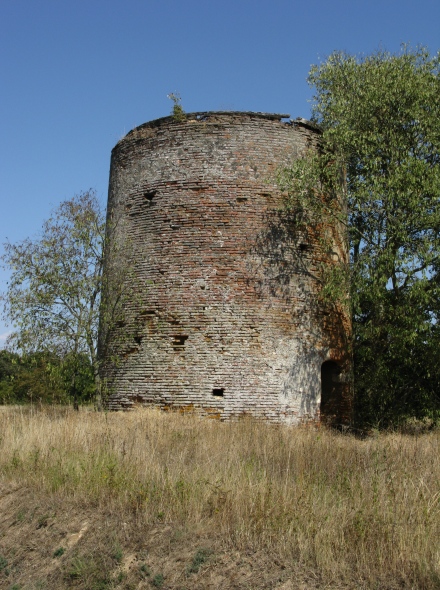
<point x="178" y="113"/>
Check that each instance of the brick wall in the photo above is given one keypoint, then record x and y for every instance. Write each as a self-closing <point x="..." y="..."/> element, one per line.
<point x="219" y="308"/>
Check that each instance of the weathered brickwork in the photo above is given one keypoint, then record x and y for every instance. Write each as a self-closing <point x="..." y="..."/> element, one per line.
<point x="220" y="312"/>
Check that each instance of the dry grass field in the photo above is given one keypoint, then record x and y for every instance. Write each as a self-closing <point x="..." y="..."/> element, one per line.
<point x="162" y="500"/>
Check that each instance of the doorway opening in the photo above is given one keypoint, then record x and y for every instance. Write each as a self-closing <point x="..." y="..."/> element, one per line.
<point x="331" y="393"/>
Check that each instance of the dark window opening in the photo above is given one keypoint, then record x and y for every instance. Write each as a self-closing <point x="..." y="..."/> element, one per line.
<point x="149" y="196"/>
<point x="138" y="339"/>
<point x="241" y="199"/>
<point x="331" y="393"/>
<point x="304" y="247"/>
<point x="179" y="341"/>
<point x="218" y="391"/>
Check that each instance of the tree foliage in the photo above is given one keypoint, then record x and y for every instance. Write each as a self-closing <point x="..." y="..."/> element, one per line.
<point x="380" y="121"/>
<point x="53" y="296"/>
<point x="44" y="377"/>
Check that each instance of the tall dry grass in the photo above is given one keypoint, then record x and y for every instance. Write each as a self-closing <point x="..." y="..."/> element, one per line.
<point x="357" y="512"/>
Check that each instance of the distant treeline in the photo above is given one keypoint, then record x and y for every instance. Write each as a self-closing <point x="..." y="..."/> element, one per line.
<point x="44" y="377"/>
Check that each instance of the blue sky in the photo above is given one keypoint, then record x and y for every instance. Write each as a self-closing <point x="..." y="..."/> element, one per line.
<point x="75" y="77"/>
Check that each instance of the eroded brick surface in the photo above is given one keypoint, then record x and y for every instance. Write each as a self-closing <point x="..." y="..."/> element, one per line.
<point x="220" y="308"/>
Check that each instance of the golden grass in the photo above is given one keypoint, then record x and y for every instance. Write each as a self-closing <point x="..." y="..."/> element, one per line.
<point x="357" y="512"/>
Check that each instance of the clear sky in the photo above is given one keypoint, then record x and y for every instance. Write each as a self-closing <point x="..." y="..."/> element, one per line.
<point x="76" y="76"/>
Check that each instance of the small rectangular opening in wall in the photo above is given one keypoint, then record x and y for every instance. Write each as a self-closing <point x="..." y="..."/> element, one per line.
<point x="149" y="196"/>
<point x="218" y="391"/>
<point x="179" y="341"/>
<point x="241" y="199"/>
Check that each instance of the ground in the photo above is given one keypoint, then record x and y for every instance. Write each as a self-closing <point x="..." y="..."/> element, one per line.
<point x="46" y="544"/>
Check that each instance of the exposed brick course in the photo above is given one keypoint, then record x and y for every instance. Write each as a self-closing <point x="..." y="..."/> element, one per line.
<point x="223" y="316"/>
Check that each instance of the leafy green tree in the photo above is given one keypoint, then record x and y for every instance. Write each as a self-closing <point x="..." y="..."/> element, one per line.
<point x="8" y="370"/>
<point x="44" y="377"/>
<point x="380" y="121"/>
<point x="54" y="293"/>
<point x="38" y="379"/>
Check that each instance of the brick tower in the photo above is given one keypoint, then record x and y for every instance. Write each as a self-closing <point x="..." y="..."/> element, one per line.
<point x="218" y="312"/>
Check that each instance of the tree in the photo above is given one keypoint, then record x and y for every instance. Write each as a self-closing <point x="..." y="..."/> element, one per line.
<point x="53" y="296"/>
<point x="8" y="371"/>
<point x="380" y="121"/>
<point x="43" y="377"/>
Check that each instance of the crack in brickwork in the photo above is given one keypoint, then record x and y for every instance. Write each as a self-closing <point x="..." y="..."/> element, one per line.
<point x="224" y="298"/>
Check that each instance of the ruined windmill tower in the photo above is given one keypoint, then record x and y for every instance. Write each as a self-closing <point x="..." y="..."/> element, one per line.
<point x="217" y="312"/>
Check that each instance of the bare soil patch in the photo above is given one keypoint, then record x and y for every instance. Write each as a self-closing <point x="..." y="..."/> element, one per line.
<point x="50" y="544"/>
